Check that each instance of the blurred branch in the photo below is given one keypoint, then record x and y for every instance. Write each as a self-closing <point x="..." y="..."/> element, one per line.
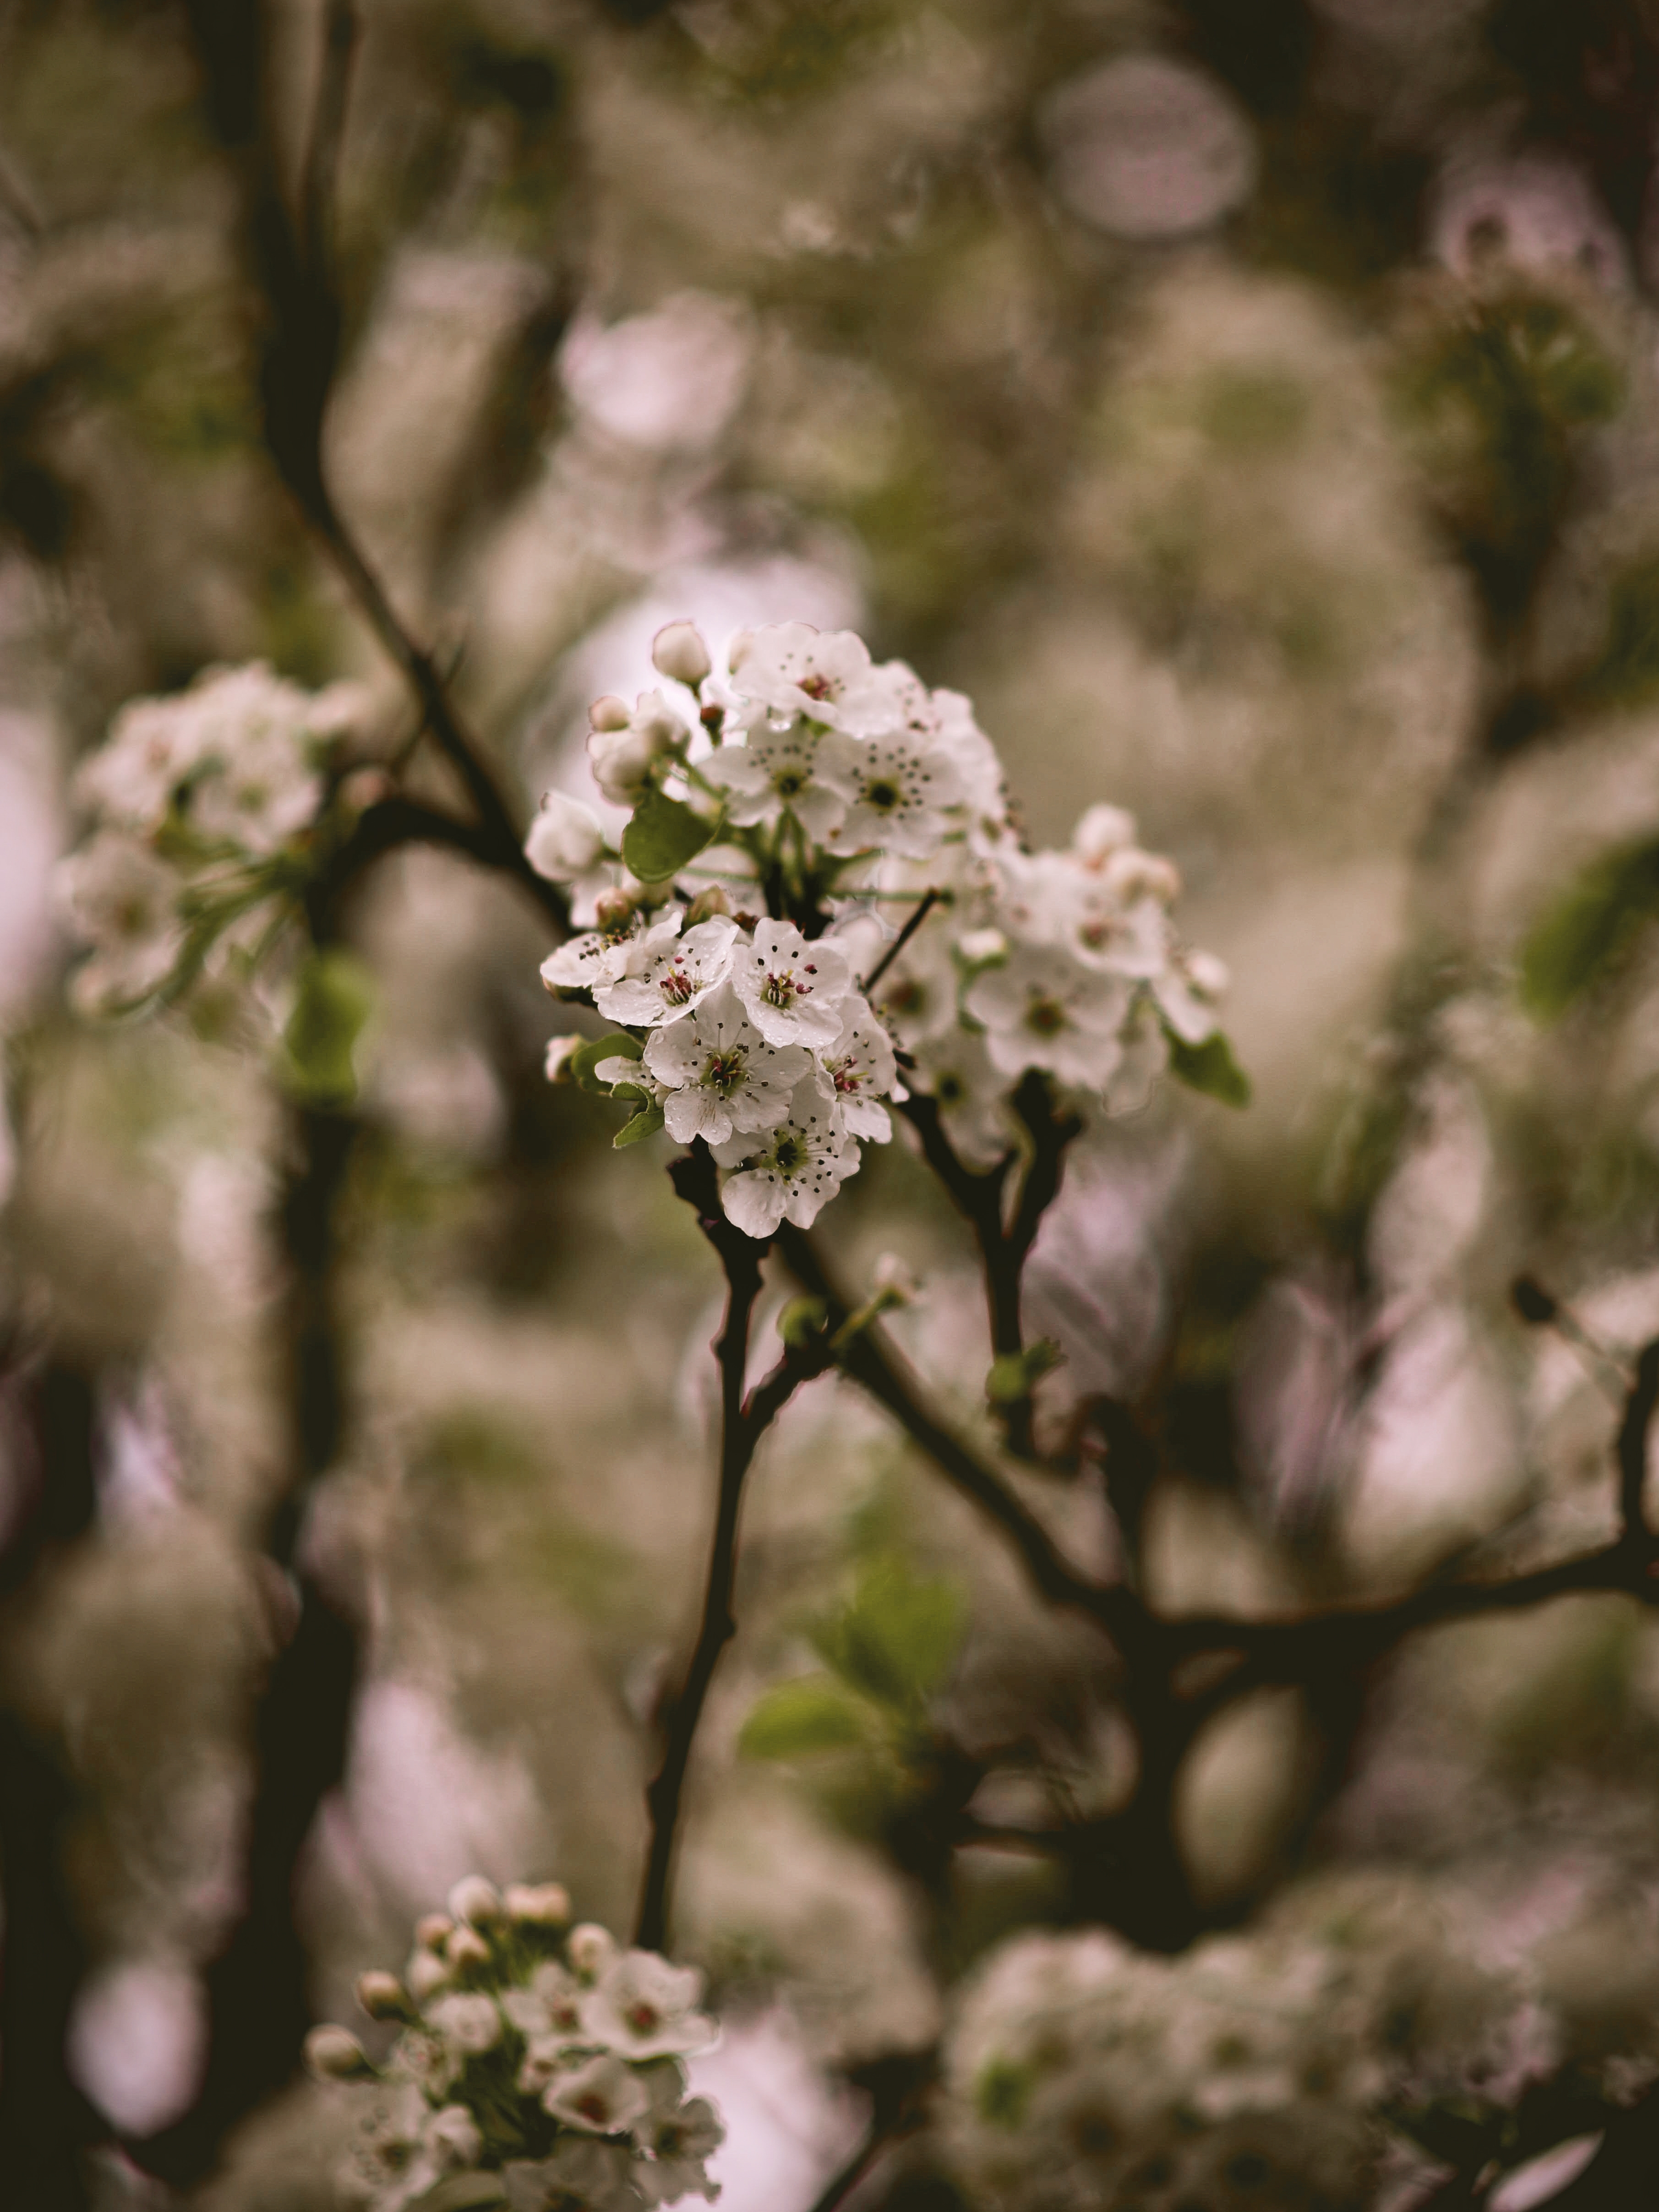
<point x="743" y="1421"/>
<point x="1634" y="1433"/>
<point x="981" y="1194"/>
<point x="897" y="2087"/>
<point x="919" y="914"/>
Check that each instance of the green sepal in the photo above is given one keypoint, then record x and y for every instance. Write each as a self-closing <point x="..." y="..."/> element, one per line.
<point x="1013" y="1373"/>
<point x="812" y="1713"/>
<point x="1582" y="937"/>
<point x="802" y="1319"/>
<point x="333" y="1002"/>
<point x="663" y="836"/>
<point x="587" y="1057"/>
<point x="1209" y="1067"/>
<point x="898" y="1637"/>
<point x="645" y="1123"/>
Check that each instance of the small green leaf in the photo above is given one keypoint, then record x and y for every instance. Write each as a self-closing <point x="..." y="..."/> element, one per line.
<point x="335" y="998"/>
<point x="812" y="1713"/>
<point x="645" y="1123"/>
<point x="1581" y="938"/>
<point x="587" y="1057"/>
<point x="898" y="1638"/>
<point x="663" y="836"/>
<point x="1209" y="1067"/>
<point x="1013" y="1373"/>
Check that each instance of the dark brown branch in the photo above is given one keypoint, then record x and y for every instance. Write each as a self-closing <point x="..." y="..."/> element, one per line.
<point x="1634" y="1433"/>
<point x="743" y="1421"/>
<point x="924" y="907"/>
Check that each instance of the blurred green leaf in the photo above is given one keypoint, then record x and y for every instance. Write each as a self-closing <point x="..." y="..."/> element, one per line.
<point x="812" y="1713"/>
<point x="897" y="1638"/>
<point x="663" y="836"/>
<point x="1585" y="935"/>
<point x="1209" y="1067"/>
<point x="335" y="998"/>
<point x="645" y="1123"/>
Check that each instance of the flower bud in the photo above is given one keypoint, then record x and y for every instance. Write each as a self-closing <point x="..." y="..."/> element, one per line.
<point x="476" y="1899"/>
<point x="613" y="911"/>
<point x="609" y="713"/>
<point x="678" y="651"/>
<point x="1102" y="830"/>
<point x="431" y="1928"/>
<point x="383" y="1997"/>
<point x="1209" y="976"/>
<point x="426" y="1974"/>
<point x="543" y="1904"/>
<point x="895" y="1283"/>
<point x="801" y="1320"/>
<point x="706" y="904"/>
<point x="621" y="759"/>
<point x="466" y="1947"/>
<point x="1131" y="875"/>
<point x="565" y="838"/>
<point x="557" y="1064"/>
<point x="334" y="2054"/>
<point x="979" y="947"/>
<point x="590" y="1949"/>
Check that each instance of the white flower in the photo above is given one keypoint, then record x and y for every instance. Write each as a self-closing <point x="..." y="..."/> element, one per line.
<point x="792" y="992"/>
<point x="1044" y="1010"/>
<point x="453" y="2138"/>
<point x="598" y="955"/>
<point x="861" y="1065"/>
<point x="1146" y="1056"/>
<point x="425" y="1973"/>
<point x="646" y="2009"/>
<point x="263" y="790"/>
<point x="623" y="758"/>
<point x="429" y="2060"/>
<point x="802" y="1167"/>
<point x="680" y="2138"/>
<point x="469" y="2023"/>
<point x="547" y="2007"/>
<point x="153" y="746"/>
<point x="582" y="2175"/>
<point x="559" y="1050"/>
<point x="475" y="1899"/>
<point x="1100" y="831"/>
<point x="678" y="651"/>
<point x="897" y="789"/>
<point x="1187" y="992"/>
<point x="723" y="1077"/>
<point x="122" y="901"/>
<point x="776" y="767"/>
<point x="797" y="670"/>
<point x="667" y="973"/>
<point x="917" y="996"/>
<point x="565" y="839"/>
<point x="955" y="1070"/>
<point x="601" y="2097"/>
<point x="466" y="1947"/>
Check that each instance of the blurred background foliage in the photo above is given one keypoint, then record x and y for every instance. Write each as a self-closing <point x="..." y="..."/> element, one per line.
<point x="1254" y="410"/>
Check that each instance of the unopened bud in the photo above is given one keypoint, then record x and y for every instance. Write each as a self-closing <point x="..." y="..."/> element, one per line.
<point x="678" y="651"/>
<point x="609" y="713"/>
<point x="1209" y="976"/>
<point x="431" y="1928"/>
<point x="896" y="1284"/>
<point x="559" y="1051"/>
<point x="383" y="1997"/>
<point x="802" y="1319"/>
<point x="426" y="1974"/>
<point x="546" y="1903"/>
<point x="467" y="1948"/>
<point x="334" y="2054"/>
<point x="738" y="650"/>
<point x="476" y="1900"/>
<point x="590" y="1949"/>
<point x="706" y="904"/>
<point x="612" y="913"/>
<point x="1103" y="831"/>
<point x="979" y="947"/>
<point x="565" y="838"/>
<point x="1132" y="874"/>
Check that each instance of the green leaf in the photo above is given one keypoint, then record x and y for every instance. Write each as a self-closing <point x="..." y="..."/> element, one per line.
<point x="898" y="1638"/>
<point x="645" y="1123"/>
<point x="663" y="836"/>
<point x="1013" y="1373"/>
<point x="587" y="1057"/>
<point x="1209" y="1067"/>
<point x="334" y="1001"/>
<point x="814" y="1712"/>
<point x="1582" y="938"/>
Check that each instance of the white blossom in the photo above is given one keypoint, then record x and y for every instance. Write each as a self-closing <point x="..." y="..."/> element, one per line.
<point x="680" y="2138"/>
<point x="722" y="1078"/>
<point x="1043" y="1008"/>
<point x="860" y="1066"/>
<point x="452" y="2135"/>
<point x="601" y="2097"/>
<point x="583" y="2175"/>
<point x="597" y="956"/>
<point x="468" y="2022"/>
<point x="122" y="901"/>
<point x="646" y="2009"/>
<point x="590" y="1950"/>
<point x="775" y="768"/>
<point x="794" y="1174"/>
<point x="898" y="789"/>
<point x="565" y="840"/>
<point x="1188" y="992"/>
<point x="955" y="1070"/>
<point x="666" y="974"/>
<point x="623" y="758"/>
<point x="824" y="675"/>
<point x="792" y="991"/>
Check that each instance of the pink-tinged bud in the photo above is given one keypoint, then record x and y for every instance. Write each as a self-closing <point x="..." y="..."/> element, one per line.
<point x="431" y="1928"/>
<point x="1103" y="831"/>
<point x="1131" y="875"/>
<point x="591" y="1950"/>
<point x="383" y="1997"/>
<point x="476" y="1899"/>
<point x="609" y="713"/>
<point x="565" y="839"/>
<point x="706" y="904"/>
<point x="1209" y="976"/>
<point x="612" y="911"/>
<point x="739" y="649"/>
<point x="335" y="2055"/>
<point x="678" y="651"/>
<point x="558" y="1069"/>
<point x="466" y="1947"/>
<point x="543" y="1904"/>
<point x="426" y="1974"/>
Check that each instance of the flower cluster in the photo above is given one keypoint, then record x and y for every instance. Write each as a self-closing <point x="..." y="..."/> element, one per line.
<point x="537" y="2063"/>
<point x="819" y="817"/>
<point x="197" y="800"/>
<point x="1080" y="2073"/>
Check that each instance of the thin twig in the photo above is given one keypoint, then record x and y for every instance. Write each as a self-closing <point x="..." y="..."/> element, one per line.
<point x="1639" y="1408"/>
<point x="743" y="1421"/>
<point x="319" y="180"/>
<point x="923" y="908"/>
